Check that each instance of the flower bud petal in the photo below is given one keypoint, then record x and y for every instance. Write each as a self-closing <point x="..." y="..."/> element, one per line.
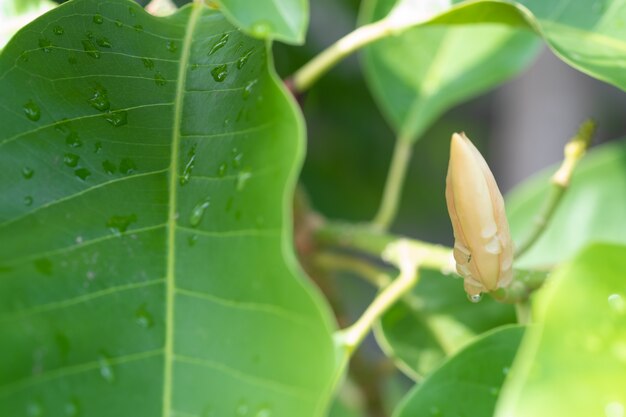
<point x="483" y="249"/>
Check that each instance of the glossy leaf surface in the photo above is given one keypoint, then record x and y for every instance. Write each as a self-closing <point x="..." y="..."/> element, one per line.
<point x="574" y="361"/>
<point x="146" y="265"/>
<point x="435" y="321"/>
<point x="468" y="384"/>
<point x="284" y="20"/>
<point x="592" y="210"/>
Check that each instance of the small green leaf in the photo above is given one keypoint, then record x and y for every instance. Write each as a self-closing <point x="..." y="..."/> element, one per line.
<point x="14" y="14"/>
<point x="147" y="267"/>
<point x="283" y="20"/>
<point x="434" y="321"/>
<point x="573" y="361"/>
<point x="424" y="71"/>
<point x="469" y="383"/>
<point x="592" y="210"/>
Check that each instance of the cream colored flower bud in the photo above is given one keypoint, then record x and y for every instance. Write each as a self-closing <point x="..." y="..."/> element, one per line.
<point x="482" y="242"/>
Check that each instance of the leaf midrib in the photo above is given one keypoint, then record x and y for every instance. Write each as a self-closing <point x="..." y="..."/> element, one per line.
<point x="168" y="354"/>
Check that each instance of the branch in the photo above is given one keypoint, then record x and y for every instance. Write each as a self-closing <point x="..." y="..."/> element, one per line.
<point x="574" y="151"/>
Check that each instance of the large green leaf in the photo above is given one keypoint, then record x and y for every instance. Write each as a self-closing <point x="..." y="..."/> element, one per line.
<point x="426" y="70"/>
<point x="573" y="363"/>
<point x="284" y="20"/>
<point x="593" y="208"/>
<point x="433" y="64"/>
<point x="469" y="383"/>
<point x="146" y="265"/>
<point x="435" y="321"/>
<point x="17" y="13"/>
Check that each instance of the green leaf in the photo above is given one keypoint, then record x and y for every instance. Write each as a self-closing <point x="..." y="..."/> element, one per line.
<point x="421" y="73"/>
<point x="435" y="321"/>
<point x="146" y="265"/>
<point x="468" y="384"/>
<point x="283" y="20"/>
<point x="14" y="14"/>
<point x="592" y="210"/>
<point x="573" y="363"/>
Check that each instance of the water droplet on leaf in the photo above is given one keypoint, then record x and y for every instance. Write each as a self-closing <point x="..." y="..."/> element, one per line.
<point x="117" y="118"/>
<point x="138" y="28"/>
<point x="191" y="240"/>
<point x="82" y="173"/>
<point x="242" y="179"/>
<point x="219" y="44"/>
<point x="97" y="19"/>
<point x="143" y="318"/>
<point x="189" y="166"/>
<point x="28" y="173"/>
<point x="100" y="100"/>
<point x="109" y="167"/>
<point x="73" y="141"/>
<point x="475" y="298"/>
<point x="221" y="170"/>
<point x="198" y="212"/>
<point x="32" y="111"/>
<point x="104" y="43"/>
<point x="106" y="370"/>
<point x="71" y="160"/>
<point x="148" y="63"/>
<point x="119" y="224"/>
<point x="247" y="90"/>
<point x="90" y="48"/>
<point x="28" y="201"/>
<point x="46" y="44"/>
<point x="241" y="62"/>
<point x="171" y="46"/>
<point x="127" y="166"/>
<point x="220" y="73"/>
<point x="159" y="79"/>
<point x="58" y="30"/>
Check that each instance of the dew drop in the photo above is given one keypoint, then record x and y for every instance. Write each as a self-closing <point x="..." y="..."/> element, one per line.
<point x="32" y="111"/>
<point x="118" y="23"/>
<point x="97" y="147"/>
<point x="159" y="79"/>
<point x="97" y="19"/>
<point x="242" y="179"/>
<point x="117" y="118"/>
<point x="82" y="173"/>
<point x="171" y="46"/>
<point x="221" y="170"/>
<point x="220" y="73"/>
<point x="120" y="224"/>
<point x="73" y="141"/>
<point x="90" y="48"/>
<point x="237" y="158"/>
<point x="148" y="63"/>
<point x="46" y="44"/>
<point x="131" y="11"/>
<point x="475" y="298"/>
<point x="100" y="100"/>
<point x="241" y="62"/>
<point x="127" y="166"/>
<point x="71" y="160"/>
<point x="106" y="370"/>
<point x="109" y="167"/>
<point x="143" y="318"/>
<point x="198" y="212"/>
<point x="192" y="240"/>
<point x="43" y="266"/>
<point x="194" y="67"/>
<point x="28" y="201"/>
<point x="617" y="303"/>
<point x="247" y="90"/>
<point x="104" y="43"/>
<point x="28" y="173"/>
<point x="138" y="28"/>
<point x="261" y="29"/>
<point x="219" y="44"/>
<point x="72" y="408"/>
<point x="58" y="30"/>
<point x="186" y="177"/>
